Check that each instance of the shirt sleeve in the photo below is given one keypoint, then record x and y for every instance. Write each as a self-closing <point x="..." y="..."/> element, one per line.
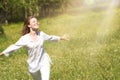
<point x="20" y="43"/>
<point x="50" y="37"/>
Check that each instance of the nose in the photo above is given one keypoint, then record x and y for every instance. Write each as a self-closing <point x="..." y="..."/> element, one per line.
<point x="37" y="23"/>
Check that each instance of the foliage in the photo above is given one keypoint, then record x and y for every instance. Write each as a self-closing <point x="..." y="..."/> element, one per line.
<point x="1" y="30"/>
<point x="11" y="9"/>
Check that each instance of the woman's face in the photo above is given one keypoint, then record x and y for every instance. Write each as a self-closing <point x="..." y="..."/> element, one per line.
<point x="33" y="23"/>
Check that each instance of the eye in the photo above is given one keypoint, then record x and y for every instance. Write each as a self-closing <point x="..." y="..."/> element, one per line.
<point x="33" y="21"/>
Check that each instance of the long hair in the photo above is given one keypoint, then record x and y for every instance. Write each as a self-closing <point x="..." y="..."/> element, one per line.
<point x="26" y="29"/>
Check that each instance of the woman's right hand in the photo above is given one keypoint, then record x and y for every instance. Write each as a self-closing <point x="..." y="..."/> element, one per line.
<point x="1" y="54"/>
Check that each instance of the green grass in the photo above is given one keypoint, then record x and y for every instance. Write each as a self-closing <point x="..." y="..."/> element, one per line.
<point x="91" y="53"/>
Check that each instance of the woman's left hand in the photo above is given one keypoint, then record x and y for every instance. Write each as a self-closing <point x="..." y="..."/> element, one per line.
<point x="64" y="37"/>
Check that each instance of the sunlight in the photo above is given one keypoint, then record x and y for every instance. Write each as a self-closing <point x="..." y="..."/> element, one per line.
<point x="104" y="28"/>
<point x="89" y="2"/>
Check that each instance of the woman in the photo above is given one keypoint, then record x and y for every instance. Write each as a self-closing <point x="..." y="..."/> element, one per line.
<point x="32" y="39"/>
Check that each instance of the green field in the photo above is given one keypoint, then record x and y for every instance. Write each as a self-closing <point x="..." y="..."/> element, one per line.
<point x="92" y="53"/>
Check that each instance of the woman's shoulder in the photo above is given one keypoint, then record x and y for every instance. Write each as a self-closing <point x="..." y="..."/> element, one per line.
<point x="40" y="33"/>
<point x="26" y="36"/>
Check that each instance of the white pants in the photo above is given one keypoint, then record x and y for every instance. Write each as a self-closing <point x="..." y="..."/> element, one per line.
<point x="42" y="74"/>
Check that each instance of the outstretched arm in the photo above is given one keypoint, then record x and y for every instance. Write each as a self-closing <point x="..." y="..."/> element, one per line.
<point x="14" y="47"/>
<point x="53" y="37"/>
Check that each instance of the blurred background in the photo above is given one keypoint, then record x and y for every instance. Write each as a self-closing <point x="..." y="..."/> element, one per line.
<point x="17" y="10"/>
<point x="93" y="26"/>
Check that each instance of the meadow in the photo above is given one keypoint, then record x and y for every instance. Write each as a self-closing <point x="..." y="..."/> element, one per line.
<point x="92" y="53"/>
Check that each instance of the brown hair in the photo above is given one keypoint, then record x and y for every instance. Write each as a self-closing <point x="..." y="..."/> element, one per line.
<point x="26" y="29"/>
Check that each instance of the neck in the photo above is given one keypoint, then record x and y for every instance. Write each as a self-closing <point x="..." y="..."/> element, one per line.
<point x="33" y="32"/>
<point x="33" y="35"/>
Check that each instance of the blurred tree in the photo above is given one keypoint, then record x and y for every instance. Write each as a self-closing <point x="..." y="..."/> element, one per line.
<point x="10" y="10"/>
<point x="3" y="11"/>
<point x="16" y="10"/>
<point x="1" y="30"/>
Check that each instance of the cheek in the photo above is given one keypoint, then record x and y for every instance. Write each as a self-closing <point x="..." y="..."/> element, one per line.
<point x="31" y="26"/>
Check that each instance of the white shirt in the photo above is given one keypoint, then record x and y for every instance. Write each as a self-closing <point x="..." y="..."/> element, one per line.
<point x="36" y="52"/>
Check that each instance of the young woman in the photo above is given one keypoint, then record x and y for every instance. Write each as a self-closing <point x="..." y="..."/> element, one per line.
<point x="33" y="40"/>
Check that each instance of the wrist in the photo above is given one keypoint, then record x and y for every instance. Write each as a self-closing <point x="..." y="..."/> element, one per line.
<point x="61" y="38"/>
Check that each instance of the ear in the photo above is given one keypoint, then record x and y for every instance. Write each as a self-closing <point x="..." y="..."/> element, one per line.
<point x="29" y="26"/>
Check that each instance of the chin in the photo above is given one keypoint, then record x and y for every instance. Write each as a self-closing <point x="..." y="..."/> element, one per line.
<point x="35" y="29"/>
